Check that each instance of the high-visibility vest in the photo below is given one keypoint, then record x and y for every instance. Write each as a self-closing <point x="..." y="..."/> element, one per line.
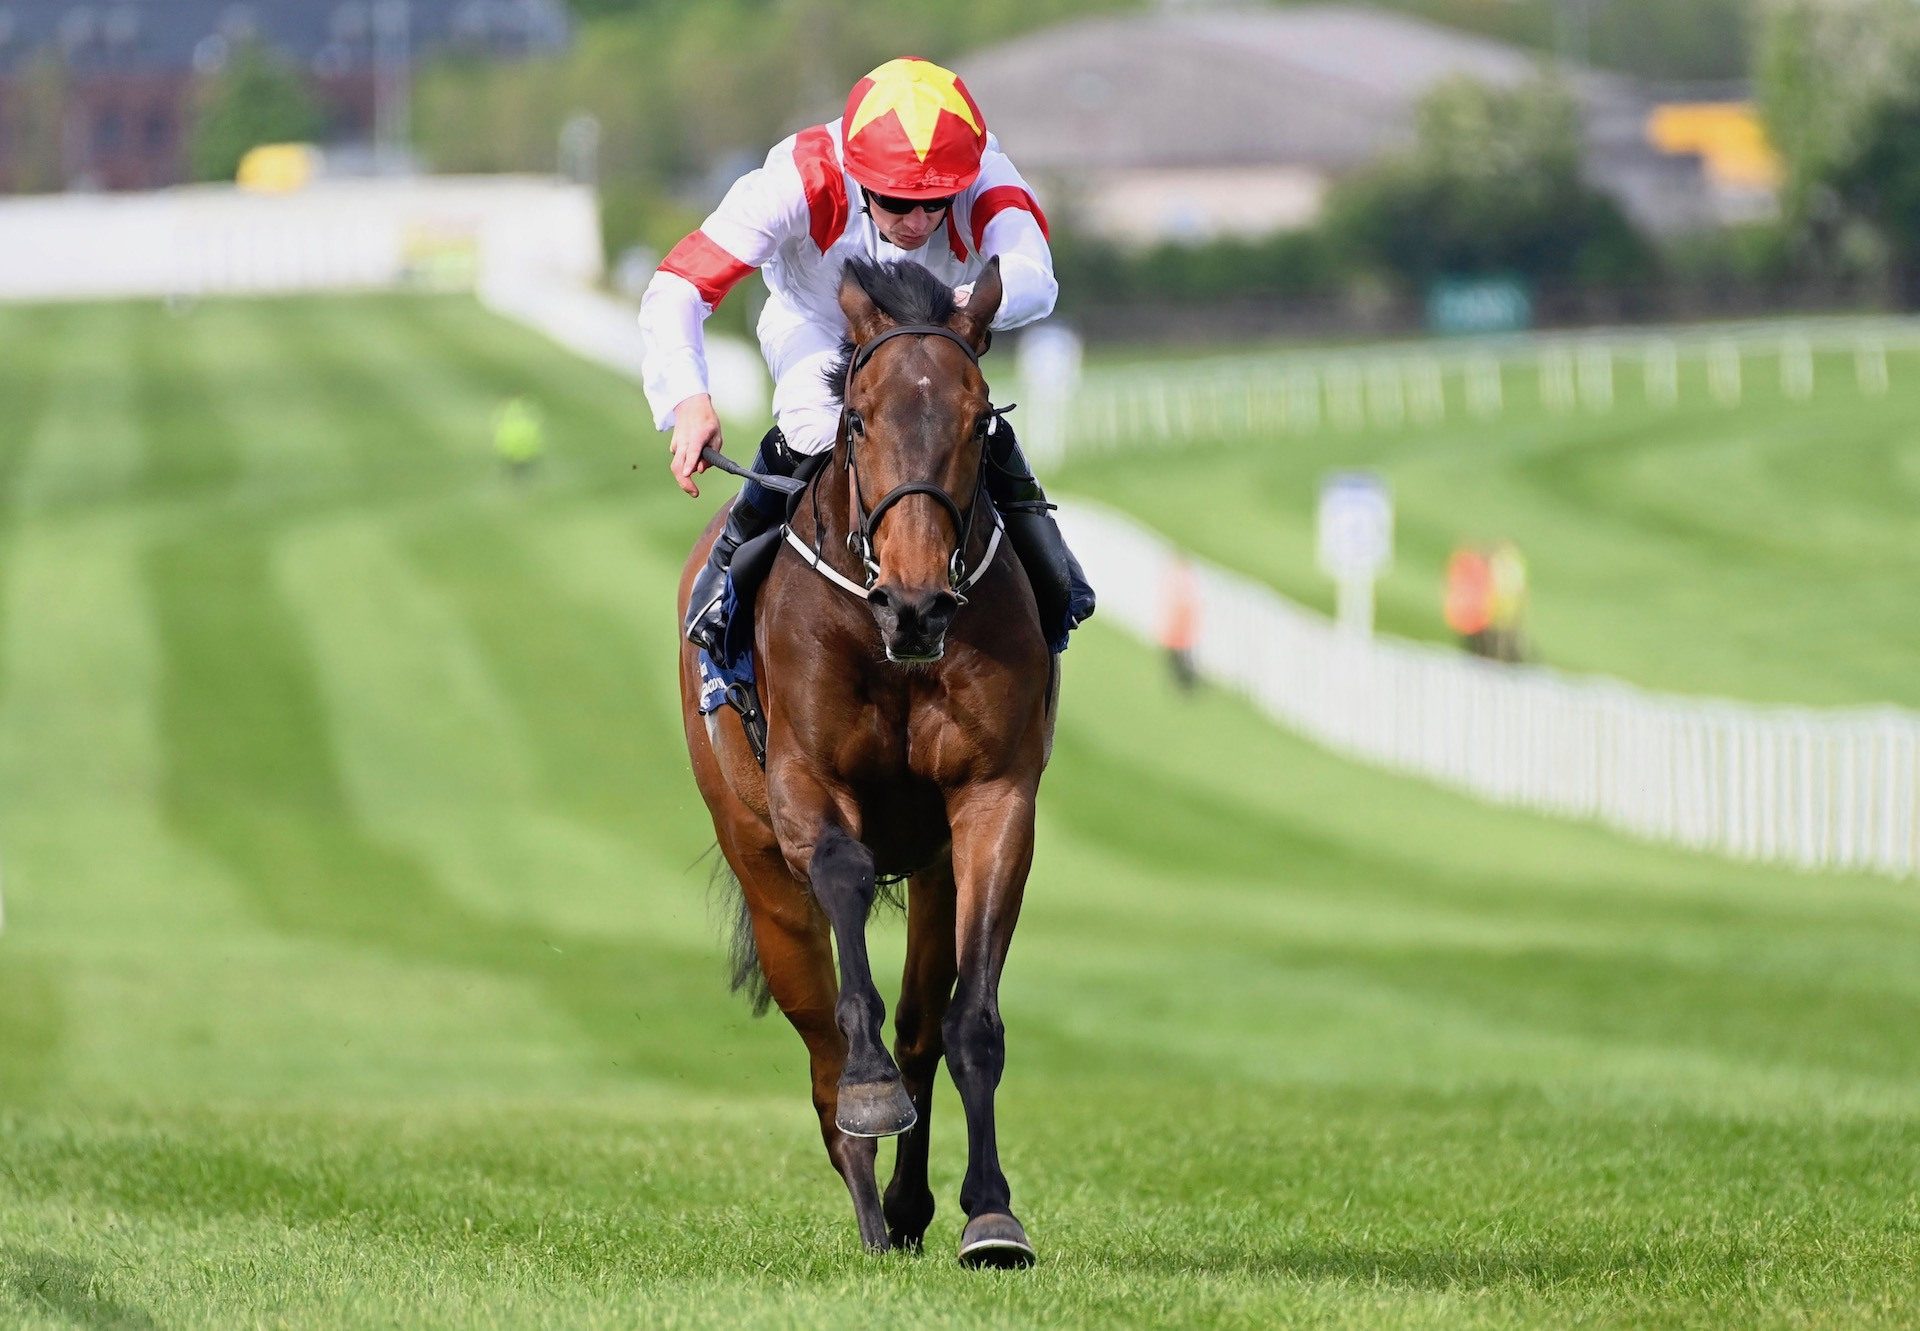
<point x="1180" y="624"/>
<point x="1507" y="570"/>
<point x="1469" y="602"/>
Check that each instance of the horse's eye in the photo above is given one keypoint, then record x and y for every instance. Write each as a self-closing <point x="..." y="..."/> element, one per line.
<point x="855" y="426"/>
<point x="982" y="426"/>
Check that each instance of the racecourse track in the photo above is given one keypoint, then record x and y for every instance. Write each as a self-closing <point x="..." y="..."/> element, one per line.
<point x="359" y="968"/>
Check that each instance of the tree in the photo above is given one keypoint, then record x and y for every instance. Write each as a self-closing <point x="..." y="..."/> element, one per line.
<point x="38" y="109"/>
<point x="1823" y="66"/>
<point x="1880" y="183"/>
<point x="1492" y="187"/>
<point x="1836" y="90"/>
<point x="256" y="98"/>
<point x="688" y="93"/>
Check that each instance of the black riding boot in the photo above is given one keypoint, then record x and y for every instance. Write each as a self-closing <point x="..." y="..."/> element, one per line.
<point x="1060" y="588"/>
<point x="754" y="510"/>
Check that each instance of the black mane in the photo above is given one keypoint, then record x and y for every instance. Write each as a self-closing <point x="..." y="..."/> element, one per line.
<point x="905" y="292"/>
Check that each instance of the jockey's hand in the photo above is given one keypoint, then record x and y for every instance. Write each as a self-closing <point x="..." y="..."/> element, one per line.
<point x="961" y="295"/>
<point x="694" y="427"/>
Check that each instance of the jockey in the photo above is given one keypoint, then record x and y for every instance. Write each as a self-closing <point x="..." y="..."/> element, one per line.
<point x="909" y="172"/>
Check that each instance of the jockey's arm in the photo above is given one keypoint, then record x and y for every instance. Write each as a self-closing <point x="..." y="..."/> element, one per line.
<point x="759" y="213"/>
<point x="1007" y="222"/>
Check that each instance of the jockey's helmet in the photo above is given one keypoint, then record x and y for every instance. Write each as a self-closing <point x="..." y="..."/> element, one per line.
<point x="913" y="132"/>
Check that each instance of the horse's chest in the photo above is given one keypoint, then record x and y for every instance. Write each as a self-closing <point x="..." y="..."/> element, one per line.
<point x="890" y="766"/>
<point x="893" y="740"/>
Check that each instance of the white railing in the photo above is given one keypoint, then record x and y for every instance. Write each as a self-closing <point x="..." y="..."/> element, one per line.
<point x="1427" y="384"/>
<point x="606" y="329"/>
<point x="1813" y="788"/>
<point x="334" y="235"/>
<point x="529" y="247"/>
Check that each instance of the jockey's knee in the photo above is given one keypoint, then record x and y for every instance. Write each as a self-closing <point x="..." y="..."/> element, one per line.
<point x="810" y="430"/>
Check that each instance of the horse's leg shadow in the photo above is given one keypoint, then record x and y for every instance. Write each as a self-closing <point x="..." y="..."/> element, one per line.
<point x="925" y="990"/>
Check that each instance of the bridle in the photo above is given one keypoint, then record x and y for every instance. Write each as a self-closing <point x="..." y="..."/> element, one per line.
<point x="867" y="521"/>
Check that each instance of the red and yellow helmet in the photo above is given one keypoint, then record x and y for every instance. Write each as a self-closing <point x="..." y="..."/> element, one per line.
<point x="912" y="131"/>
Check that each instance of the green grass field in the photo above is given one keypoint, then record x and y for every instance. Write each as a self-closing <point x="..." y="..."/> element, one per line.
<point x="359" y="971"/>
<point x="1768" y="552"/>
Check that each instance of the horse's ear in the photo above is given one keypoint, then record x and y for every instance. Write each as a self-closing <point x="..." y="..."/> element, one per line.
<point x="864" y="317"/>
<point x="982" y="305"/>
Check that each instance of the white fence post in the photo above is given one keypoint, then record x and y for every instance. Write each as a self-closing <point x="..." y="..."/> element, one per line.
<point x="1796" y="368"/>
<point x="1838" y="789"/>
<point x="1870" y="365"/>
<point x="1723" y="373"/>
<point x="1660" y="372"/>
<point x="1486" y="395"/>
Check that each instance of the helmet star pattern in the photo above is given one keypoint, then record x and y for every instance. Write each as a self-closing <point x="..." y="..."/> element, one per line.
<point x="917" y="92"/>
<point x="912" y="130"/>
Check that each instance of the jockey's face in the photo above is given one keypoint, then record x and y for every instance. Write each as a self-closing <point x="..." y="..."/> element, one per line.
<point x="909" y="229"/>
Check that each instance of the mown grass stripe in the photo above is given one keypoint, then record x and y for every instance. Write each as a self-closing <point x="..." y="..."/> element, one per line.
<point x="255" y="780"/>
<point x="518" y="624"/>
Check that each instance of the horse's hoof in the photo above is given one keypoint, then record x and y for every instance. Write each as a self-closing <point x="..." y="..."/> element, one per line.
<point x="996" y="1241"/>
<point x="874" y="1109"/>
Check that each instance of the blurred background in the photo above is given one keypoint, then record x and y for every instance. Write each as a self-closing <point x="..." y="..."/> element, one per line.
<point x="1476" y="870"/>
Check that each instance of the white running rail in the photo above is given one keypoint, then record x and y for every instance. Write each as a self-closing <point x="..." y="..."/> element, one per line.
<point x="1424" y="385"/>
<point x="1835" y="788"/>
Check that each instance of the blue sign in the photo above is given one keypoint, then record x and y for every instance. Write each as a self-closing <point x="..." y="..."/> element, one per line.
<point x="1479" y="305"/>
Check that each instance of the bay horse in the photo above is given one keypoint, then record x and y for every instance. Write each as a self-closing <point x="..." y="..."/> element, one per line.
<point x="908" y="695"/>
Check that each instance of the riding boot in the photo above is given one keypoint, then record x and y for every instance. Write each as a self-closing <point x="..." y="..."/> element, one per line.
<point x="755" y="509"/>
<point x="1060" y="588"/>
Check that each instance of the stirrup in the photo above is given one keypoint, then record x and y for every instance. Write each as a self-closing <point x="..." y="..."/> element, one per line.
<point x="703" y="623"/>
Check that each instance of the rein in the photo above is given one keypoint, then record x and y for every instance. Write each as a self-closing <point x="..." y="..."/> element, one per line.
<point x="867" y="521"/>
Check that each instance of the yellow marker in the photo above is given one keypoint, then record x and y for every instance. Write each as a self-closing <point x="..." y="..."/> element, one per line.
<point x="1727" y="136"/>
<point x="278" y="168"/>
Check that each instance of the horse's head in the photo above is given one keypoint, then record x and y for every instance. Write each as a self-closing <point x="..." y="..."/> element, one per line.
<point x="915" y="427"/>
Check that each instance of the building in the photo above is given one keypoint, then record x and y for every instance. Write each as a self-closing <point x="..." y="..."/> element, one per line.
<point x="99" y="94"/>
<point x="1190" y="122"/>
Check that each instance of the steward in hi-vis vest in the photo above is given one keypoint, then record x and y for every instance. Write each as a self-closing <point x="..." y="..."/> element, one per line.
<point x="909" y="172"/>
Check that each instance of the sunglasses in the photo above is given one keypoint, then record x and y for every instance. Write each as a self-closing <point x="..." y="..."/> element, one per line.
<point x="902" y="207"/>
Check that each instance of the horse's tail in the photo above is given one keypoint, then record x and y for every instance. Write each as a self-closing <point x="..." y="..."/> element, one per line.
<point x="743" y="957"/>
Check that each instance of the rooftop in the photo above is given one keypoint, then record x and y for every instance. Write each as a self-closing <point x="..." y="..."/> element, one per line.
<point x="1330" y="85"/>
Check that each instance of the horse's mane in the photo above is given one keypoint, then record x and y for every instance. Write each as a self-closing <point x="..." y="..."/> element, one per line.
<point x="905" y="292"/>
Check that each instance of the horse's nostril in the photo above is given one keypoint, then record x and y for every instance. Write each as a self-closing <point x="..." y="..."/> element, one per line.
<point x="880" y="597"/>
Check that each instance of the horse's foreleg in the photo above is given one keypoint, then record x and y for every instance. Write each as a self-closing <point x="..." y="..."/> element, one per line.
<point x="796" y="956"/>
<point x="926" y="988"/>
<point x="871" y="1101"/>
<point x="992" y="852"/>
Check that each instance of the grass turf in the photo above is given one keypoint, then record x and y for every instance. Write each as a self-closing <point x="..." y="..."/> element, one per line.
<point x="1767" y="551"/>
<point x="358" y="969"/>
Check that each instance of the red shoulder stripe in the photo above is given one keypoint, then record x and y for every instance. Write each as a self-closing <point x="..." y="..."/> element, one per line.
<point x="825" y="183"/>
<point x="711" y="269"/>
<point x="997" y="200"/>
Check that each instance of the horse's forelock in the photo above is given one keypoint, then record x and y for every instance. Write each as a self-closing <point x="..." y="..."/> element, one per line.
<point x="906" y="293"/>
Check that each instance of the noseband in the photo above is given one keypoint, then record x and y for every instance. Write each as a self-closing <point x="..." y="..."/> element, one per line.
<point x="867" y="521"/>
